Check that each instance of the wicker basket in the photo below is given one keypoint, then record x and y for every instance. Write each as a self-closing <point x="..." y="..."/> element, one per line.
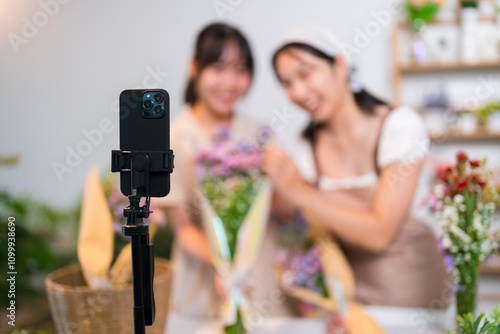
<point x="76" y="308"/>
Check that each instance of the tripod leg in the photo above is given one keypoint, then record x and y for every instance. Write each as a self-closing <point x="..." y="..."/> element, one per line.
<point x="139" y="320"/>
<point x="148" y="270"/>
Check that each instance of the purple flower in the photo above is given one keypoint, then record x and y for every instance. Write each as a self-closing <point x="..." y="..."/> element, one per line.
<point x="449" y="263"/>
<point x="301" y="221"/>
<point x="263" y="135"/>
<point x="244" y="147"/>
<point x="223" y="133"/>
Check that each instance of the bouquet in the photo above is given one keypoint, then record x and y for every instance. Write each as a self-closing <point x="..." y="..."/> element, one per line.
<point x="312" y="268"/>
<point x="235" y="201"/>
<point x="463" y="203"/>
<point x="300" y="265"/>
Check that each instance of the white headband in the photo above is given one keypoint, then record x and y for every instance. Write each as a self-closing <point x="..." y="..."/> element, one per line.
<point x="321" y="39"/>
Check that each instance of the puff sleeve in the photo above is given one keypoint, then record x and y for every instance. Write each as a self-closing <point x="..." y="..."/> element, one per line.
<point x="403" y="138"/>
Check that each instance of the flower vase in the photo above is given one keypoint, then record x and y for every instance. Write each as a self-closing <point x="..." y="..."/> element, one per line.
<point x="467" y="123"/>
<point x="493" y="123"/>
<point x="467" y="288"/>
<point x="418" y="48"/>
<point x="469" y="19"/>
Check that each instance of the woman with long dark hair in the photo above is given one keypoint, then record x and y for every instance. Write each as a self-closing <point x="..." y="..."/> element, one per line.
<point x="220" y="75"/>
<point x="356" y="171"/>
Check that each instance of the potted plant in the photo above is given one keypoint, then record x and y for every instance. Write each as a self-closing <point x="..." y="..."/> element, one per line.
<point x="490" y="116"/>
<point x="420" y="13"/>
<point x="483" y="324"/>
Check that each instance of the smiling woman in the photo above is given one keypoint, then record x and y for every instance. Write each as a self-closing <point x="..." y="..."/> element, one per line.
<point x="221" y="71"/>
<point x="356" y="173"/>
<point x="220" y="75"/>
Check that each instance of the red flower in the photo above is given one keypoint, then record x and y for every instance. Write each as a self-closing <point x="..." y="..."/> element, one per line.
<point x="476" y="163"/>
<point x="461" y="185"/>
<point x="479" y="180"/>
<point x="462" y="156"/>
<point x="443" y="172"/>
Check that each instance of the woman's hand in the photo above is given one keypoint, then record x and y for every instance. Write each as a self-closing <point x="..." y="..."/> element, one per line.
<point x="336" y="325"/>
<point x="221" y="286"/>
<point x="283" y="172"/>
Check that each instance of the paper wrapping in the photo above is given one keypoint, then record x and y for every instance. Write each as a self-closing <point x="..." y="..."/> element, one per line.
<point x="236" y="272"/>
<point x="96" y="236"/>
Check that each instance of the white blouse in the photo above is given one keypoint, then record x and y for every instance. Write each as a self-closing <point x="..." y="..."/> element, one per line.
<point x="403" y="139"/>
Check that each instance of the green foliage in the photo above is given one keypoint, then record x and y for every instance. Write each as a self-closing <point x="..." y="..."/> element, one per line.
<point x="483" y="324"/>
<point x="424" y="13"/>
<point x="45" y="240"/>
<point x="485" y="112"/>
<point x="231" y="203"/>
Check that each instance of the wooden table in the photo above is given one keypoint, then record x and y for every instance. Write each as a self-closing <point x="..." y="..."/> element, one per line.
<point x="393" y="320"/>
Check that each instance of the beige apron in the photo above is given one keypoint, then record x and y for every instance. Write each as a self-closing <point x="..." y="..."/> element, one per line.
<point x="409" y="273"/>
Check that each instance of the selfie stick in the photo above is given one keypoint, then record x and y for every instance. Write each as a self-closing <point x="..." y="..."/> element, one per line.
<point x="140" y="164"/>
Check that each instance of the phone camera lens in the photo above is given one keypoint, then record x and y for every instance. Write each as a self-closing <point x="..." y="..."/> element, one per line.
<point x="148" y="104"/>
<point x="158" y="110"/>
<point x="158" y="98"/>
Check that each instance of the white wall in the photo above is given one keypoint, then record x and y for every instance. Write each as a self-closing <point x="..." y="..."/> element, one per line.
<point x="68" y="72"/>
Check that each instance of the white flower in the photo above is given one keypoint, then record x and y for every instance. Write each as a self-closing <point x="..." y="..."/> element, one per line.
<point x="458" y="198"/>
<point x="490" y="207"/>
<point x="467" y="257"/>
<point x="477" y="222"/>
<point x="446" y="242"/>
<point x="450" y="213"/>
<point x="439" y="190"/>
<point x="456" y="276"/>
<point x="462" y="207"/>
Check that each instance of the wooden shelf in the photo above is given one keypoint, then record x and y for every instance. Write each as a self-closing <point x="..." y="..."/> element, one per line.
<point x="433" y="67"/>
<point x="481" y="133"/>
<point x="456" y="22"/>
<point x="400" y="68"/>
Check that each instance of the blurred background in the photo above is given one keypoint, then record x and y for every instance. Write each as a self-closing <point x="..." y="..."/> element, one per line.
<point x="63" y="64"/>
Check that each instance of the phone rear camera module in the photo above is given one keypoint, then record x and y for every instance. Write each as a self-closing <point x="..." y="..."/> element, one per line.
<point x="159" y="110"/>
<point x="153" y="104"/>
<point x="148" y="104"/>
<point x="158" y="98"/>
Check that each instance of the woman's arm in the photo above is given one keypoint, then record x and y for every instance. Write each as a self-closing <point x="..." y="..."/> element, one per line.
<point x="189" y="236"/>
<point x="371" y="229"/>
<point x="281" y="206"/>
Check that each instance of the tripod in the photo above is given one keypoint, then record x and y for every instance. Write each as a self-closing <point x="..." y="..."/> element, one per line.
<point x="138" y="164"/>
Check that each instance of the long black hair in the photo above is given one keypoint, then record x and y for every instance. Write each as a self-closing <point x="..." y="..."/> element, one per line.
<point x="365" y="100"/>
<point x="210" y="44"/>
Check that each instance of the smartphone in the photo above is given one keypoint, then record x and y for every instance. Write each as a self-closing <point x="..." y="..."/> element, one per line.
<point x="145" y="126"/>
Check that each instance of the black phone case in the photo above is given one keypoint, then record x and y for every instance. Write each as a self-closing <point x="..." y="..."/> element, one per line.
<point x="138" y="133"/>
